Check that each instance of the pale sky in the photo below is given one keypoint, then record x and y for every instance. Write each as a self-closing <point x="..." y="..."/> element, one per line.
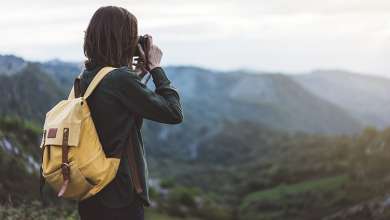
<point x="266" y="35"/>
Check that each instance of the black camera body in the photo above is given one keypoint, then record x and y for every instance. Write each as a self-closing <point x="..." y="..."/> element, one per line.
<point x="144" y="41"/>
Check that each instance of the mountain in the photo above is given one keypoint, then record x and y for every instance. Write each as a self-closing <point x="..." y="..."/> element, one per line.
<point x="366" y="97"/>
<point x="30" y="89"/>
<point x="273" y="100"/>
<point x="212" y="98"/>
<point x="10" y="64"/>
<point x="28" y="93"/>
<point x="62" y="72"/>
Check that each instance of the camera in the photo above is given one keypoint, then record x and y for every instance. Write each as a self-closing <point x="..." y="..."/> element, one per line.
<point x="145" y="43"/>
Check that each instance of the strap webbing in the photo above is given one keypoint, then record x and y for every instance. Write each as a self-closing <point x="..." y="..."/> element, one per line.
<point x="96" y="80"/>
<point x="78" y="78"/>
<point x="65" y="169"/>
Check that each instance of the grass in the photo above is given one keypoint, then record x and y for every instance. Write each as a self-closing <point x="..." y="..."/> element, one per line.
<point x="280" y="192"/>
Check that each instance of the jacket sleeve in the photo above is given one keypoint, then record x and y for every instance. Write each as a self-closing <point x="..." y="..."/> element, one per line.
<point x="162" y="105"/>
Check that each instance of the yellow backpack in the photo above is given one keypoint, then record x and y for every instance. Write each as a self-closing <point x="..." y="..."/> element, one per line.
<point x="73" y="161"/>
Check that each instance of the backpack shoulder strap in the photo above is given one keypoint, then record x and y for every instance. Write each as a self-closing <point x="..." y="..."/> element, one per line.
<point x="96" y="80"/>
<point x="76" y="86"/>
<point x="75" y="91"/>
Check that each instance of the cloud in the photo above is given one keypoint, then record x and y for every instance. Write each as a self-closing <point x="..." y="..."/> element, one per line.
<point x="278" y="35"/>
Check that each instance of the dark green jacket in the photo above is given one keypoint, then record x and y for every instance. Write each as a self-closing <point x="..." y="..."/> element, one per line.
<point x="113" y="104"/>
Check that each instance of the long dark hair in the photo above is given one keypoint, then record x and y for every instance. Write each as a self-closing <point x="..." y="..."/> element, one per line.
<point x="111" y="38"/>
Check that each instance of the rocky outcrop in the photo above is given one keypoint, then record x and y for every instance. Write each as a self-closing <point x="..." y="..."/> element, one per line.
<point x="376" y="209"/>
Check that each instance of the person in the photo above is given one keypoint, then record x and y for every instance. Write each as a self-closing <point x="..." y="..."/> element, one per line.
<point x="120" y="99"/>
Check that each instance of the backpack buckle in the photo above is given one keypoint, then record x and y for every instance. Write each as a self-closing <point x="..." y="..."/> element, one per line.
<point x="65" y="169"/>
<point x="65" y="164"/>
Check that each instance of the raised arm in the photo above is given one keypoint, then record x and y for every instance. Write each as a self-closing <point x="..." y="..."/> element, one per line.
<point x="162" y="105"/>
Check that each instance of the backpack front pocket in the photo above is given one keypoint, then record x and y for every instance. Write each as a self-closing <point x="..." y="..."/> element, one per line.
<point x="78" y="184"/>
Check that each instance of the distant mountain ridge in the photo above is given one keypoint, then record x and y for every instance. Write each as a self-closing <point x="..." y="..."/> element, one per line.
<point x="367" y="98"/>
<point x="62" y="72"/>
<point x="283" y="102"/>
<point x="10" y="64"/>
<point x="274" y="100"/>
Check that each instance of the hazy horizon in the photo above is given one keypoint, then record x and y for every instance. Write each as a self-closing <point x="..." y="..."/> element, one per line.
<point x="277" y="36"/>
<point x="247" y="71"/>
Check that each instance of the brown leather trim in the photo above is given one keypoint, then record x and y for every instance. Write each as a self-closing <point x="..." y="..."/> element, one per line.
<point x="52" y="133"/>
<point x="65" y="170"/>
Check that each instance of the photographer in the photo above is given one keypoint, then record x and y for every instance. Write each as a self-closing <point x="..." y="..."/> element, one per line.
<point x="118" y="106"/>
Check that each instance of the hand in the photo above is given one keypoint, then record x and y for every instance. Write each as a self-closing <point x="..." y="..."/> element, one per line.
<point x="155" y="56"/>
